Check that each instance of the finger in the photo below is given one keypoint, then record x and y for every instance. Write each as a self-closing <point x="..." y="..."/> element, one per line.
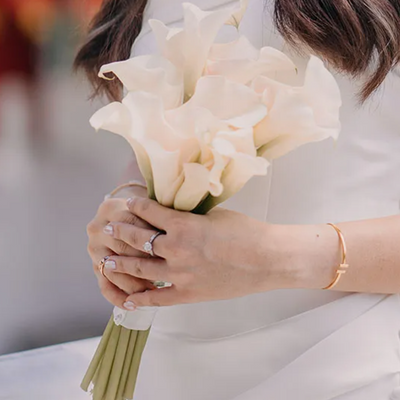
<point x="155" y="298"/>
<point x="117" y="210"/>
<point x="151" y="269"/>
<point x="151" y="212"/>
<point x="122" y="248"/>
<point x="127" y="283"/>
<point x="98" y="253"/>
<point x="136" y="237"/>
<point x="110" y="292"/>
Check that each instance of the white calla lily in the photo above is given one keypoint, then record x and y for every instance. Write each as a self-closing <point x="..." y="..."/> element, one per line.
<point x="116" y="118"/>
<point x="188" y="48"/>
<point x="237" y="105"/>
<point x="241" y="62"/>
<point x="195" y="187"/>
<point x="298" y="115"/>
<point x="153" y="74"/>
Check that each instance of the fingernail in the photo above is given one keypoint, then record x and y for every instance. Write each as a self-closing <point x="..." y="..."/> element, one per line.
<point x="108" y="230"/>
<point x="129" y="306"/>
<point x="130" y="201"/>
<point x="110" y="264"/>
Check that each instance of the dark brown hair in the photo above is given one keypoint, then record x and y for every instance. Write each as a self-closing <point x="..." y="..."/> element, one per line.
<point x="356" y="36"/>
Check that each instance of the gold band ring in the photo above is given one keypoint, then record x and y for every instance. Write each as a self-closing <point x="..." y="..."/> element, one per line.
<point x="102" y="264"/>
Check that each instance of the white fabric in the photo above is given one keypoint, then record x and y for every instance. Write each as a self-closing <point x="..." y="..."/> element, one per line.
<point x="291" y="344"/>
<point x="139" y="320"/>
<point x="50" y="373"/>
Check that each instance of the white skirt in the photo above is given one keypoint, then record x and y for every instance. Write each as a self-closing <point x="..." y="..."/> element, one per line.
<point x="347" y="349"/>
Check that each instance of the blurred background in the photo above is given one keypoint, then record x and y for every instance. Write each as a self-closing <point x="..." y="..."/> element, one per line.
<point x="54" y="172"/>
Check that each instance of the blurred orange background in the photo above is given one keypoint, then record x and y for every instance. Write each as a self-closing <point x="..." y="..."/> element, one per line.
<point x="54" y="172"/>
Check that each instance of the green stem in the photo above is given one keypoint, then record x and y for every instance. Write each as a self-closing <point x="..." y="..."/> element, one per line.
<point x="134" y="370"/>
<point x="118" y="364"/>
<point x="94" y="364"/>
<point x="106" y="365"/>
<point x="127" y="364"/>
<point x="205" y="206"/>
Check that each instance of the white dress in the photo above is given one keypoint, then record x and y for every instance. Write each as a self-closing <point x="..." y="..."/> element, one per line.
<point x="292" y="344"/>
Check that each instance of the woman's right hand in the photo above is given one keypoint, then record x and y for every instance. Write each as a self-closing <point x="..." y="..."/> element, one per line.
<point x="116" y="287"/>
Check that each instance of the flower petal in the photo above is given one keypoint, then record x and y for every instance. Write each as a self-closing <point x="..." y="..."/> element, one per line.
<point x="241" y="139"/>
<point x="323" y="93"/>
<point x="241" y="62"/>
<point x="236" y="104"/>
<point x="239" y="171"/>
<point x="167" y="172"/>
<point x="153" y="74"/>
<point x="170" y="42"/>
<point x="194" y="188"/>
<point x="115" y="117"/>
<point x="238" y="14"/>
<point x="298" y="115"/>
<point x="188" y="48"/>
<point x="148" y="121"/>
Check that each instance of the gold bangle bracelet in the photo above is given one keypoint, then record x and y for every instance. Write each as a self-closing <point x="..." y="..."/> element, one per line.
<point x="343" y="267"/>
<point x="124" y="186"/>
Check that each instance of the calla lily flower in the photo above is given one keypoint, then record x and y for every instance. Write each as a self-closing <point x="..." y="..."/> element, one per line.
<point x="298" y="115"/>
<point x="241" y="62"/>
<point x="188" y="48"/>
<point x="204" y="118"/>
<point x="152" y="74"/>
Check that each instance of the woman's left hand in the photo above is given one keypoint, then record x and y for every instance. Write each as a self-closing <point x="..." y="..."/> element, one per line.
<point x="218" y="256"/>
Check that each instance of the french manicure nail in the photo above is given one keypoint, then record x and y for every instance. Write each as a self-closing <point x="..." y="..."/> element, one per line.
<point x="108" y="230"/>
<point x="129" y="306"/>
<point x="110" y="264"/>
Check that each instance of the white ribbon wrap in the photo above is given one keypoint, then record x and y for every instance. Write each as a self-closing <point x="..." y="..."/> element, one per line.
<point x="139" y="320"/>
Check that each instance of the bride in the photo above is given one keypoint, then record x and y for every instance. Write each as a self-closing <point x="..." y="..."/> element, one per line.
<point x="268" y="300"/>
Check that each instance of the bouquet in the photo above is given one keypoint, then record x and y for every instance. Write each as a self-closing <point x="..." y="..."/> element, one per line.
<point x="203" y="118"/>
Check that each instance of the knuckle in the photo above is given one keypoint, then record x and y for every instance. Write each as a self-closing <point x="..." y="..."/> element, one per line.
<point x="105" y="207"/>
<point x="137" y="268"/>
<point x="120" y="265"/>
<point x="91" y="249"/>
<point x="130" y="219"/>
<point x="103" y="288"/>
<point x="92" y="228"/>
<point x="143" y="206"/>
<point x="134" y="237"/>
<point x="122" y="247"/>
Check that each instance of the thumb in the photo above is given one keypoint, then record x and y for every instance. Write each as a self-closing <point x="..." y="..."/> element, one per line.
<point x="154" y="298"/>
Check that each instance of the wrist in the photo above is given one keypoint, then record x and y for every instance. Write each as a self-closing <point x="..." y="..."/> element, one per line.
<point x="301" y="256"/>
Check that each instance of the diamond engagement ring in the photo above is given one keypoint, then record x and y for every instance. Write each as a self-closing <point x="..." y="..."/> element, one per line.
<point x="148" y="246"/>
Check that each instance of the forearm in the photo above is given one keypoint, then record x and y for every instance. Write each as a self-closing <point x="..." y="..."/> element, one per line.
<point x="373" y="250"/>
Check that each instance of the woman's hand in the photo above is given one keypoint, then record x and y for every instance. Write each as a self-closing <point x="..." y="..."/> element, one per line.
<point x="218" y="256"/>
<point x="117" y="286"/>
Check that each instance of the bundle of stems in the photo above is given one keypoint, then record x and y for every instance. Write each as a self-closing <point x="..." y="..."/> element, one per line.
<point x="113" y="371"/>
